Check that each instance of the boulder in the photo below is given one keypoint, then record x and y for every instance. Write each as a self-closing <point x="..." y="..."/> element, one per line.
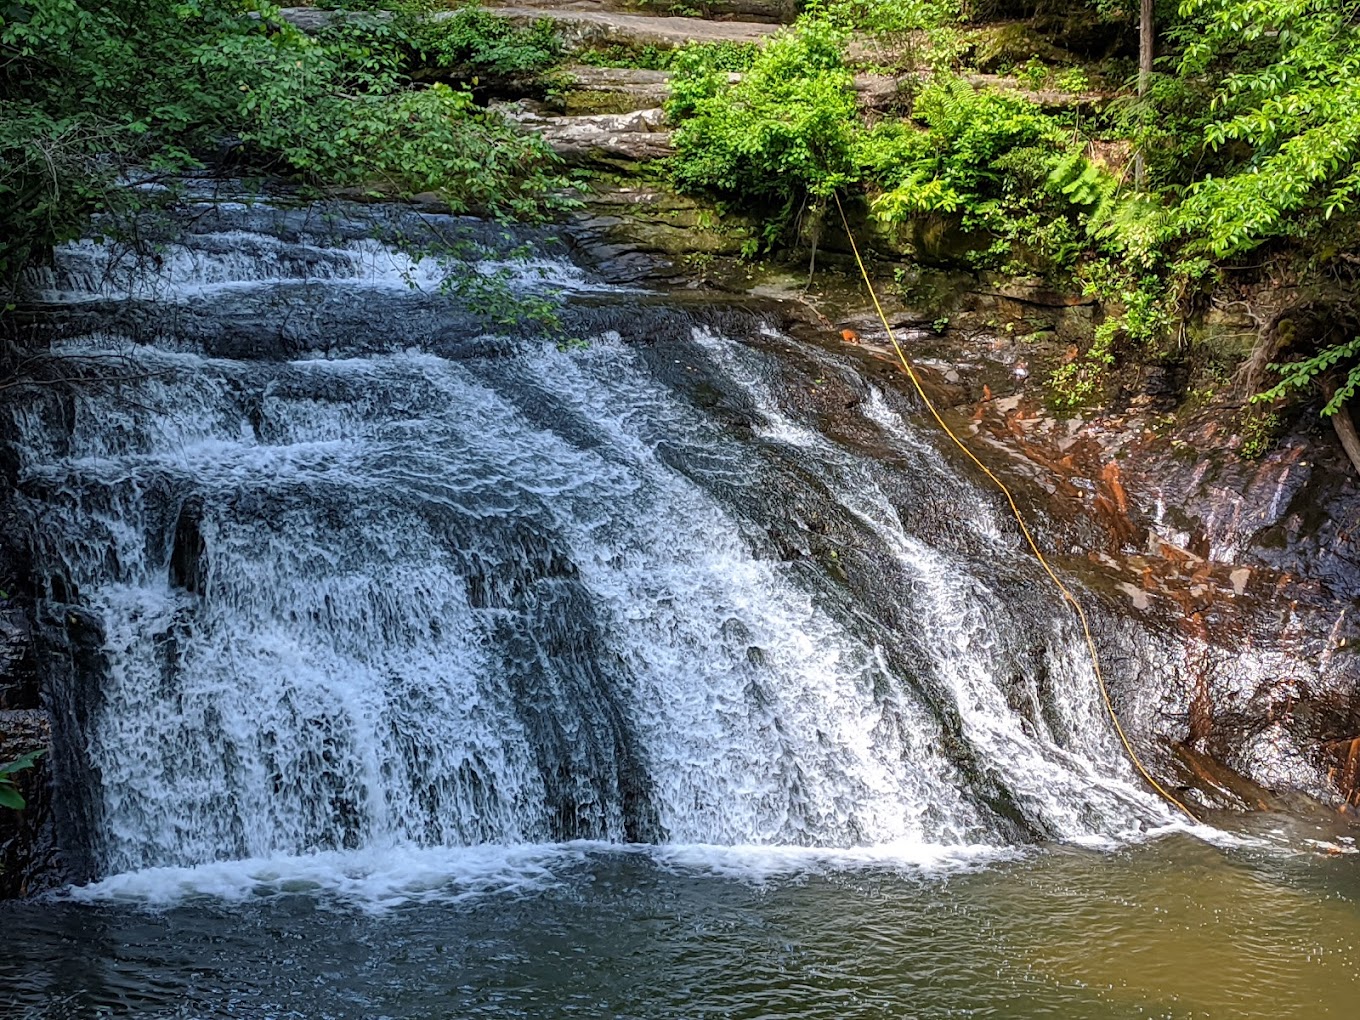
<point x="601" y="90"/>
<point x="611" y="139"/>
<point x="581" y="29"/>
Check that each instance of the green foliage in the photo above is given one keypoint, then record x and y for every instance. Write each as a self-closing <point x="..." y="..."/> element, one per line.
<point x="789" y="133"/>
<point x="1083" y="183"/>
<point x="912" y="32"/>
<point x="884" y="17"/>
<point x="472" y="41"/>
<point x="1286" y="102"/>
<point x="1250" y="136"/>
<point x="1256" y="141"/>
<point x="986" y="158"/>
<point x="784" y="133"/>
<point x="10" y="797"/>
<point x="1258" y="432"/>
<point x="95" y="90"/>
<point x="1034" y="73"/>
<point x="726" y="57"/>
<point x="1299" y="375"/>
<point x="1074" y="80"/>
<point x="1123" y="269"/>
<point x="978" y="151"/>
<point x="643" y="58"/>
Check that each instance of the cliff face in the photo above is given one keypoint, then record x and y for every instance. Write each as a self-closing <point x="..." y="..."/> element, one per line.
<point x="1240" y="552"/>
<point x="27" y="838"/>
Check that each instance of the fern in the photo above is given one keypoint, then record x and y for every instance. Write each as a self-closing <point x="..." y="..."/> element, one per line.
<point x="981" y="154"/>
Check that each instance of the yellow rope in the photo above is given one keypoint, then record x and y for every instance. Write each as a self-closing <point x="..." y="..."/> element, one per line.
<point x="1019" y="519"/>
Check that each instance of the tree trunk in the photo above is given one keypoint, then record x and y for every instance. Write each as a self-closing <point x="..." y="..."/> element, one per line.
<point x="1350" y="441"/>
<point x="1147" y="42"/>
<point x="1345" y="428"/>
<point x="1147" y="45"/>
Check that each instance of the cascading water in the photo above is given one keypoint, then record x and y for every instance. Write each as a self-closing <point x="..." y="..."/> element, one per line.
<point x="374" y="579"/>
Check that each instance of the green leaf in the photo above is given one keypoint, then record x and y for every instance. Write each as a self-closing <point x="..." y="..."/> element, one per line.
<point x="10" y="797"/>
<point x="26" y="761"/>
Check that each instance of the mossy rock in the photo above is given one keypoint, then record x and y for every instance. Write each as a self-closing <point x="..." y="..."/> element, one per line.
<point x="585" y="102"/>
<point x="1089" y="37"/>
<point x="1002" y="47"/>
<point x="934" y="239"/>
<point x="1223" y="337"/>
<point x="655" y="218"/>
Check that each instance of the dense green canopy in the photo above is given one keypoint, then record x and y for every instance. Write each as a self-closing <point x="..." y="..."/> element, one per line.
<point x="1248" y="130"/>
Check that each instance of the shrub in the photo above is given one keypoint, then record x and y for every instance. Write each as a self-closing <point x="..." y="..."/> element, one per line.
<point x="785" y="133"/>
<point x="97" y="89"/>
<point x="910" y="32"/>
<point x="983" y="156"/>
<point x="473" y="41"/>
<point x="723" y="56"/>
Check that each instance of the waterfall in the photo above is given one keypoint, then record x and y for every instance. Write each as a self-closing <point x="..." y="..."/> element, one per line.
<point x="406" y="583"/>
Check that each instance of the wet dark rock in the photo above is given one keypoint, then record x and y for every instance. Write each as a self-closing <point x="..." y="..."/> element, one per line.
<point x="29" y="859"/>
<point x="18" y="672"/>
<point x="1210" y="784"/>
<point x="1247" y="567"/>
<point x="188" y="555"/>
<point x="548" y="638"/>
<point x="49" y="664"/>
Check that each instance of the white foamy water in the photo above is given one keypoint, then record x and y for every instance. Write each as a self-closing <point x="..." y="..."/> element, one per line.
<point x="378" y="880"/>
<point x="87" y="270"/>
<point x="337" y="683"/>
<point x="1051" y="772"/>
<point x="404" y="626"/>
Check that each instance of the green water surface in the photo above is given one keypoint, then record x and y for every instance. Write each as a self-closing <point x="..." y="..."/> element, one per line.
<point x="1175" y="927"/>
